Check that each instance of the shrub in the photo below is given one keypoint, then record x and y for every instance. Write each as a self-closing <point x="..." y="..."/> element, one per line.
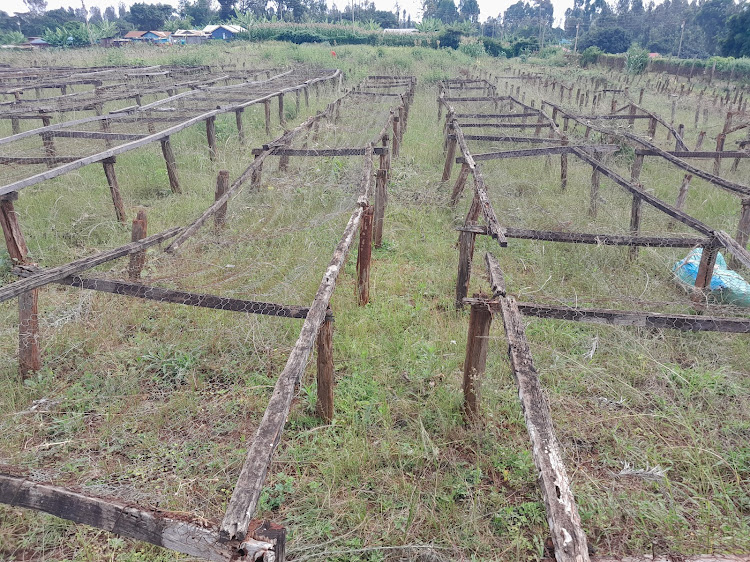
<point x="590" y="56"/>
<point x="473" y="49"/>
<point x="494" y="48"/>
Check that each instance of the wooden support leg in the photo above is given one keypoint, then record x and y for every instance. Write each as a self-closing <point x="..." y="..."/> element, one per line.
<point x="307" y="96"/>
<point x="267" y="110"/>
<point x="171" y="162"/>
<point x="255" y="177"/>
<point x="564" y="164"/>
<point x="595" y="180"/>
<point x="15" y="125"/>
<point x="282" y="117"/>
<point x="396" y="136"/>
<point x="138" y="259"/>
<point x="381" y="195"/>
<point x="29" y="353"/>
<point x="681" y="198"/>
<point x="296" y="101"/>
<point x="460" y="183"/>
<point x="635" y="222"/>
<point x="114" y="188"/>
<point x="720" y="138"/>
<point x="635" y="171"/>
<point x="364" y="256"/>
<point x="699" y="142"/>
<point x="324" y="406"/>
<point x="450" y="157"/>
<point x="238" y="120"/>
<point x="743" y="228"/>
<point x="211" y="137"/>
<point x="466" y="241"/>
<point x="222" y="184"/>
<point x="480" y="320"/>
<point x="705" y="273"/>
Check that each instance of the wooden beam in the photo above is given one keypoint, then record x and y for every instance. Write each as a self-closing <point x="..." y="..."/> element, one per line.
<point x="597" y="239"/>
<point x="95" y="135"/>
<point x="564" y="522"/>
<point x="171" y="163"/>
<point x="172" y="296"/>
<point x="497" y="279"/>
<point x="703" y="155"/>
<point x="325" y="371"/>
<point x="542" y="151"/>
<point x="162" y="528"/>
<point x="54" y="274"/>
<point x="739" y="253"/>
<point x="252" y="477"/>
<point x="364" y="256"/>
<point x="498" y="138"/>
<point x="114" y="188"/>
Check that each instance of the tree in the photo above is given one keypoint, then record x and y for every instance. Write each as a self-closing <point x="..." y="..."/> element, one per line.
<point x="517" y="15"/>
<point x="36" y="7"/>
<point x="226" y="9"/>
<point x="95" y="15"/>
<point x="469" y="10"/>
<point x="737" y="43"/>
<point x="609" y="40"/>
<point x="149" y="16"/>
<point x="198" y="12"/>
<point x="447" y="11"/>
<point x="712" y="18"/>
<point x="109" y="14"/>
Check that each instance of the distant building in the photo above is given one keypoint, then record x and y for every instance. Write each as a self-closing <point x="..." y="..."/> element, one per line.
<point x="402" y="31"/>
<point x="37" y="43"/>
<point x="148" y="36"/>
<point x="189" y="36"/>
<point x="225" y="32"/>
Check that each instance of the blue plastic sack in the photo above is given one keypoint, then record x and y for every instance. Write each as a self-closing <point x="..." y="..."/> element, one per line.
<point x="727" y="286"/>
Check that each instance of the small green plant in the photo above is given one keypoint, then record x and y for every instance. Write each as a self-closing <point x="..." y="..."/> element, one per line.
<point x="636" y="60"/>
<point x="473" y="49"/>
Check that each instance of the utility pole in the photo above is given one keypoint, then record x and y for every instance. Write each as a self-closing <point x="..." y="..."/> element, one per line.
<point x="575" y="45"/>
<point x="682" y="34"/>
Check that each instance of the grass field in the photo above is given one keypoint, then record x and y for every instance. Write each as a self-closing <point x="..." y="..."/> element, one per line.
<point x="155" y="403"/>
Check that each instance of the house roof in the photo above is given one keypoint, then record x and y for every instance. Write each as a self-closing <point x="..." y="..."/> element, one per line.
<point x="161" y="34"/>
<point x="188" y="33"/>
<point x="230" y="28"/>
<point x="134" y="34"/>
<point x="38" y="41"/>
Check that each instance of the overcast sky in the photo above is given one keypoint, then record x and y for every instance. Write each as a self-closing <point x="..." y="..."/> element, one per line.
<point x="488" y="8"/>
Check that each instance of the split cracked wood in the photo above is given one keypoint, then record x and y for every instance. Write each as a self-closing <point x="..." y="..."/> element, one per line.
<point x="567" y="533"/>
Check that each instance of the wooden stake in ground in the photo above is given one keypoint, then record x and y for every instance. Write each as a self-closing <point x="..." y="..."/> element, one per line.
<point x="466" y="241"/>
<point x="595" y="181"/>
<point x="222" y="184"/>
<point x="138" y="259"/>
<point x="114" y="188"/>
<point x="29" y="353"/>
<point x="381" y="195"/>
<point x="480" y="320"/>
<point x="364" y="256"/>
<point x="211" y="138"/>
<point x="171" y="162"/>
<point x="324" y="404"/>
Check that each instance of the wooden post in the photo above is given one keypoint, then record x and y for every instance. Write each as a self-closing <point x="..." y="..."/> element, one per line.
<point x="705" y="273"/>
<point x="255" y="176"/>
<point x="466" y="241"/>
<point x="138" y="259"/>
<point x="307" y="96"/>
<point x="109" y="171"/>
<point x="211" y="137"/>
<point x="267" y="109"/>
<point x="15" y="125"/>
<point x="538" y="128"/>
<point x="381" y="195"/>
<point x="396" y="136"/>
<point x="460" y="183"/>
<point x="564" y="166"/>
<point x="450" y="156"/>
<point x="699" y="142"/>
<point x="595" y="180"/>
<point x="29" y="353"/>
<point x="171" y="162"/>
<point x="680" y="133"/>
<point x="720" y="138"/>
<point x="364" y="256"/>
<point x="222" y="184"/>
<point x="743" y="226"/>
<point x="635" y="222"/>
<point x="282" y="117"/>
<point x="324" y="405"/>
<point x="681" y="197"/>
<point x="480" y="320"/>
<point x="238" y="120"/>
<point x="296" y="101"/>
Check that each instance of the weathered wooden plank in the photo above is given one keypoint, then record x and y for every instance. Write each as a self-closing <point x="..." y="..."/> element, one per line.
<point x="505" y="125"/>
<point x="172" y="296"/>
<point x="684" y="322"/>
<point x="567" y="533"/>
<point x="542" y="151"/>
<point x="497" y="138"/>
<point x="703" y="155"/>
<point x="497" y="279"/>
<point x="475" y="362"/>
<point x="647" y="197"/>
<point x="358" y="151"/>
<point x="30" y="160"/>
<point x="56" y="273"/>
<point x="672" y="558"/>
<point x="156" y="527"/>
<point x="95" y="135"/>
<point x="494" y="115"/>
<point x="739" y="253"/>
<point x="250" y="483"/>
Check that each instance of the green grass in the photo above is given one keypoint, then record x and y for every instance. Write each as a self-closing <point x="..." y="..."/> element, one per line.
<point x="156" y="403"/>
